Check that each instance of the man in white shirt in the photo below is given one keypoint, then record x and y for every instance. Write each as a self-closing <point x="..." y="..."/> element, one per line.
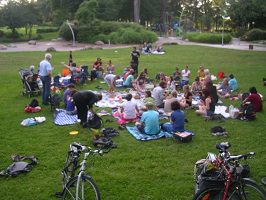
<point x="185" y="76"/>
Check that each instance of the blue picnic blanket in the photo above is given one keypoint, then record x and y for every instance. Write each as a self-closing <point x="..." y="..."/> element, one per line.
<point x="133" y="130"/>
<point x="139" y="136"/>
<point x="61" y="118"/>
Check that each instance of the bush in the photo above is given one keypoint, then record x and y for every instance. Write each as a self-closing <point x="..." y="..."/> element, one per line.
<point x="116" y="32"/>
<point x="254" y="34"/>
<point x="65" y="32"/>
<point x="46" y="30"/>
<point x="2" y="33"/>
<point x="211" y="38"/>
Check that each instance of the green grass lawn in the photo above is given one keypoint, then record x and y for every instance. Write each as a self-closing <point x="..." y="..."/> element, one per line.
<point x="160" y="169"/>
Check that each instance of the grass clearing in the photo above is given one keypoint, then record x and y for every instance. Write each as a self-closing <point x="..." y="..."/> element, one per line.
<point x="160" y="169"/>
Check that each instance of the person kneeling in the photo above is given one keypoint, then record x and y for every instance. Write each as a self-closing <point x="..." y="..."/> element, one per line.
<point x="149" y="122"/>
<point x="177" y="119"/>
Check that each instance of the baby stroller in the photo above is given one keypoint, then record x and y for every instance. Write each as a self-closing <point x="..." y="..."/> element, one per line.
<point x="30" y="85"/>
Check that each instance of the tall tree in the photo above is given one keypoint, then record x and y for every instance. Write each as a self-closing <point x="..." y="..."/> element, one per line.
<point x="136" y="11"/>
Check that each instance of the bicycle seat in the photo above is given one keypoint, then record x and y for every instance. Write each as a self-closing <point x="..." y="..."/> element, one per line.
<point x="222" y="147"/>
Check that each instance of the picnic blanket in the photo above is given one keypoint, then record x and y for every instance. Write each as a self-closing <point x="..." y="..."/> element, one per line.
<point x="143" y="137"/>
<point x="61" y="118"/>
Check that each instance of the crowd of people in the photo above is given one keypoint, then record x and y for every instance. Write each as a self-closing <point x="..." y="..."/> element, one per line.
<point x="173" y="93"/>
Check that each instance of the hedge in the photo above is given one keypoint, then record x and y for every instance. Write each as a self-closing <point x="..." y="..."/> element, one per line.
<point x="254" y="34"/>
<point x="211" y="38"/>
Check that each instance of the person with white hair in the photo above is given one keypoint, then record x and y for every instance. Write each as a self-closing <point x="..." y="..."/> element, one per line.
<point x="45" y="73"/>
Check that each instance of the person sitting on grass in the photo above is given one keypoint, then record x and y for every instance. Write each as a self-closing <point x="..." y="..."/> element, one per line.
<point x="254" y="99"/>
<point x="148" y="97"/>
<point x="224" y="90"/>
<point x="70" y="106"/>
<point x="67" y="92"/>
<point x="129" y="110"/>
<point x="110" y="69"/>
<point x="158" y="94"/>
<point x="168" y="102"/>
<point x="177" y="119"/>
<point x="232" y="83"/>
<point x="129" y="80"/>
<point x="149" y="122"/>
<point x="187" y="99"/>
<point x="207" y="107"/>
<point x="196" y="87"/>
<point x="140" y="82"/>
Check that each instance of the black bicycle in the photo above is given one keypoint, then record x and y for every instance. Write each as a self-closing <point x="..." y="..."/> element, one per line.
<point x="79" y="185"/>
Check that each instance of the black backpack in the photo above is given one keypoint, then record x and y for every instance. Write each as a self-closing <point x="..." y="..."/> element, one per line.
<point x="95" y="121"/>
<point x="20" y="165"/>
<point x="34" y="103"/>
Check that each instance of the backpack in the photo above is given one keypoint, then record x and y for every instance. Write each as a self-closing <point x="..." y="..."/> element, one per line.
<point x="34" y="103"/>
<point x="109" y="132"/>
<point x="55" y="101"/>
<point x="95" y="121"/>
<point x="218" y="131"/>
<point x="20" y="165"/>
<point x="103" y="143"/>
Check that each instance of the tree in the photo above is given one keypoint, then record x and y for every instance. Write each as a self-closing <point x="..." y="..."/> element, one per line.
<point x="87" y="11"/>
<point x="136" y="10"/>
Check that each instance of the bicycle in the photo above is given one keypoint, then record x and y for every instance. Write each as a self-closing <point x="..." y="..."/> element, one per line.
<point x="79" y="186"/>
<point x="225" y="179"/>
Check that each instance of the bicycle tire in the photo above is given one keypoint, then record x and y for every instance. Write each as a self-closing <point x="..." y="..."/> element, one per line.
<point x="91" y="190"/>
<point x="215" y="193"/>
<point x="250" y="190"/>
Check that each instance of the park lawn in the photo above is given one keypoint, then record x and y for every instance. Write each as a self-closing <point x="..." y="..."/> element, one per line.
<point x="159" y="169"/>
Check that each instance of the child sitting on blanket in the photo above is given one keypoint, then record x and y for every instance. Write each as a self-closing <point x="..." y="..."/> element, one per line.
<point x="177" y="119"/>
<point x="149" y="122"/>
<point x="129" y="110"/>
<point x="70" y="106"/>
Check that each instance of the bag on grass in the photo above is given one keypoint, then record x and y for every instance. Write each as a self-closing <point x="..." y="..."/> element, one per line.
<point x="218" y="131"/>
<point x="95" y="121"/>
<point x="103" y="143"/>
<point x="20" y="165"/>
<point x="109" y="132"/>
<point x="34" y="103"/>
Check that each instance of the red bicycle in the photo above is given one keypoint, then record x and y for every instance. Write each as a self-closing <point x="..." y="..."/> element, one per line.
<point x="223" y="178"/>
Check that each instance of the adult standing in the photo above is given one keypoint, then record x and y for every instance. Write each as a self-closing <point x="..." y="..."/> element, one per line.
<point x="135" y="60"/>
<point x="84" y="101"/>
<point x="45" y="72"/>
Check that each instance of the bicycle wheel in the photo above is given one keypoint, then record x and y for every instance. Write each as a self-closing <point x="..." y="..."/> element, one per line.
<point x="250" y="190"/>
<point x="215" y="194"/>
<point x="87" y="189"/>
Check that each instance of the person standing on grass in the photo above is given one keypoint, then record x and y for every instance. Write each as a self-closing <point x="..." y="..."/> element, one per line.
<point x="135" y="60"/>
<point x="45" y="73"/>
<point x="84" y="101"/>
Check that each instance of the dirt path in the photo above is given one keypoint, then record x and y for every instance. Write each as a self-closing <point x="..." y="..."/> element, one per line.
<point x="67" y="46"/>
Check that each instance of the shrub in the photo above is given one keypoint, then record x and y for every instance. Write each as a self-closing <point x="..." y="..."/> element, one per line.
<point x="46" y="30"/>
<point x="116" y="32"/>
<point x="254" y="34"/>
<point x="212" y="38"/>
<point x="2" y="33"/>
<point x="65" y="31"/>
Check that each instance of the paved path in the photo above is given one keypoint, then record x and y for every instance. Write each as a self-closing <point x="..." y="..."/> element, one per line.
<point x="67" y="46"/>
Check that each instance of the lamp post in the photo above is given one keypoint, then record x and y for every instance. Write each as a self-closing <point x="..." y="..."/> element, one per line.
<point x="253" y="23"/>
<point x="223" y="32"/>
<point x="73" y="36"/>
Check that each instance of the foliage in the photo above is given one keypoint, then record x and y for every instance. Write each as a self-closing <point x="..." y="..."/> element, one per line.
<point x="65" y="32"/>
<point x="158" y="169"/>
<point x="86" y="12"/>
<point x="255" y="34"/>
<point x="46" y="29"/>
<point x="212" y="38"/>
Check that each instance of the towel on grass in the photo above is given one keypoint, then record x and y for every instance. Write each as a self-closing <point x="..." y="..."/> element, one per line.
<point x="139" y="136"/>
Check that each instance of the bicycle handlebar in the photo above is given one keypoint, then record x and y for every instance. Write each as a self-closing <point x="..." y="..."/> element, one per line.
<point x="239" y="157"/>
<point x="222" y="147"/>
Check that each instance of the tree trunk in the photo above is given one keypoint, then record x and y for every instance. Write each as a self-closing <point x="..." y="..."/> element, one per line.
<point x="136" y="11"/>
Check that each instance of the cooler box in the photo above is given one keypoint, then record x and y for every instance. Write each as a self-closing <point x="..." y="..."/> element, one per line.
<point x="183" y="136"/>
<point x="119" y="83"/>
